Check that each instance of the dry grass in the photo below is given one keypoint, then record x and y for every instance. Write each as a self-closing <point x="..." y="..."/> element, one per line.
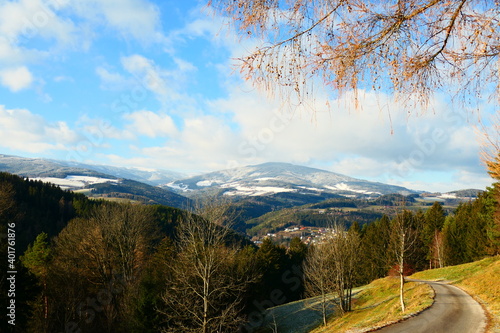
<point x="378" y="305"/>
<point x="481" y="279"/>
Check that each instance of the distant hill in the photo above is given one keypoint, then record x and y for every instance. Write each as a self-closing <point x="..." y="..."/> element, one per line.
<point x="137" y="191"/>
<point x="255" y="190"/>
<point x="271" y="178"/>
<point x="38" y="167"/>
<point x="94" y="182"/>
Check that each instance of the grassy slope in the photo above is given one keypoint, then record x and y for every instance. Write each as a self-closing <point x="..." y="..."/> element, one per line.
<point x="295" y="317"/>
<point x="378" y="305"/>
<point x="375" y="304"/>
<point x="480" y="279"/>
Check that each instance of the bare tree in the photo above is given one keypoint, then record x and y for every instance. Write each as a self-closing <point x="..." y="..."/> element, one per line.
<point x="106" y="251"/>
<point x="319" y="277"/>
<point x="437" y="250"/>
<point x="402" y="246"/>
<point x="208" y="285"/>
<point x="331" y="268"/>
<point x="410" y="47"/>
<point x="346" y="259"/>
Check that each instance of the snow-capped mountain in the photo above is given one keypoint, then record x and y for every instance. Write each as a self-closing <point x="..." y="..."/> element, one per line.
<point x="251" y="181"/>
<point x="270" y="178"/>
<point x="98" y="180"/>
<point x="40" y="168"/>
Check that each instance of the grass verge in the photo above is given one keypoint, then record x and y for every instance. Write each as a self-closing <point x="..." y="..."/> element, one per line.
<point x="481" y="279"/>
<point x="378" y="305"/>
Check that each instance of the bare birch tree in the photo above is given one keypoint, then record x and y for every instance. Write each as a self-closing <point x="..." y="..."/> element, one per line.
<point x="402" y="246"/>
<point x="346" y="261"/>
<point x="331" y="268"/>
<point x="208" y="285"/>
<point x="319" y="277"/>
<point x="412" y="48"/>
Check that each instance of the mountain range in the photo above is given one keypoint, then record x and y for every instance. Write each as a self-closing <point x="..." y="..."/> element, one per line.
<point x="270" y="178"/>
<point x="283" y="181"/>
<point x="38" y="167"/>
<point x="98" y="180"/>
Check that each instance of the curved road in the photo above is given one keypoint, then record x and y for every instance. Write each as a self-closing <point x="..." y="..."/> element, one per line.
<point x="453" y="311"/>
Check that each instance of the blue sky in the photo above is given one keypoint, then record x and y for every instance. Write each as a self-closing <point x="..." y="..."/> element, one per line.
<point x="155" y="84"/>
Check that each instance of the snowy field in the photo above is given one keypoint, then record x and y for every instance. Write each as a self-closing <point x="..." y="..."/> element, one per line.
<point x="75" y="182"/>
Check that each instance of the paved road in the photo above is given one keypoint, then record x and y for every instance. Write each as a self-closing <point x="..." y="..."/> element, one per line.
<point x="453" y="311"/>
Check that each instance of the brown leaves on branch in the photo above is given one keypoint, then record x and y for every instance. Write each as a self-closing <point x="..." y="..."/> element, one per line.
<point x="411" y="48"/>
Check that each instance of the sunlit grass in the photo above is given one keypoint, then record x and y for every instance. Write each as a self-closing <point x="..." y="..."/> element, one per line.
<point x="378" y="304"/>
<point x="480" y="279"/>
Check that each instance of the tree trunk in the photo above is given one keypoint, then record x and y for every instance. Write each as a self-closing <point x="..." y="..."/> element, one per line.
<point x="324" y="308"/>
<point x="205" y="307"/>
<point x="401" y="291"/>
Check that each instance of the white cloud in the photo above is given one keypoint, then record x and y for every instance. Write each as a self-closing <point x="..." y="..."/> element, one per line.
<point x="16" y="79"/>
<point x="444" y="182"/>
<point x="151" y="124"/>
<point x="61" y="25"/>
<point x="24" y="131"/>
<point x="136" y="19"/>
<point x="63" y="78"/>
<point x="205" y="143"/>
<point x="184" y="66"/>
<point x="112" y="81"/>
<point x="167" y="85"/>
<point x="98" y="131"/>
<point x="361" y="166"/>
<point x="202" y="143"/>
<point x="473" y="179"/>
<point x="10" y="53"/>
<point x="24" y="20"/>
<point x="362" y="143"/>
<point x="149" y="75"/>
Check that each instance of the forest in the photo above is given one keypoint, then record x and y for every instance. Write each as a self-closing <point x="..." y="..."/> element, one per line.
<point x="97" y="266"/>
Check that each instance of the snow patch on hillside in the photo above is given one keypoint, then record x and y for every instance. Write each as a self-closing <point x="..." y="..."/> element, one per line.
<point x="75" y="182"/>
<point x="178" y="187"/>
<point x="205" y="183"/>
<point x="448" y="196"/>
<point x="345" y="187"/>
<point x="256" y="190"/>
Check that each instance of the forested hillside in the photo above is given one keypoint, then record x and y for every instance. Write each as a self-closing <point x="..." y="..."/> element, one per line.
<point x="96" y="266"/>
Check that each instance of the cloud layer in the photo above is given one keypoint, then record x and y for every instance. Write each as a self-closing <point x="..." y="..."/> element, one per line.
<point x="126" y="82"/>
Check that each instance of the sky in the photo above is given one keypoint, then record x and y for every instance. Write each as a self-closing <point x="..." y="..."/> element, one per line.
<point x="156" y="85"/>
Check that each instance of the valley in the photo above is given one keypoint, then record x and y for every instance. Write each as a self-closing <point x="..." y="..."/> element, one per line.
<point x="267" y="199"/>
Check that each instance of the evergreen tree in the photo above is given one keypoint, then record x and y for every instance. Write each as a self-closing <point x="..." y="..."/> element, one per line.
<point x="37" y="259"/>
<point x="431" y="234"/>
<point x="272" y="262"/>
<point x="374" y="249"/>
<point x="492" y="215"/>
<point x="465" y="235"/>
<point x="477" y="241"/>
<point x="297" y="253"/>
<point x="453" y="240"/>
<point x="355" y="227"/>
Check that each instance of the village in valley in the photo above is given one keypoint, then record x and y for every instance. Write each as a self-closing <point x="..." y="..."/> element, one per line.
<point x="308" y="235"/>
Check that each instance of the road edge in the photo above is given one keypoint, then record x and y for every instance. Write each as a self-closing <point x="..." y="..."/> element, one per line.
<point x="488" y="328"/>
<point x="406" y="317"/>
